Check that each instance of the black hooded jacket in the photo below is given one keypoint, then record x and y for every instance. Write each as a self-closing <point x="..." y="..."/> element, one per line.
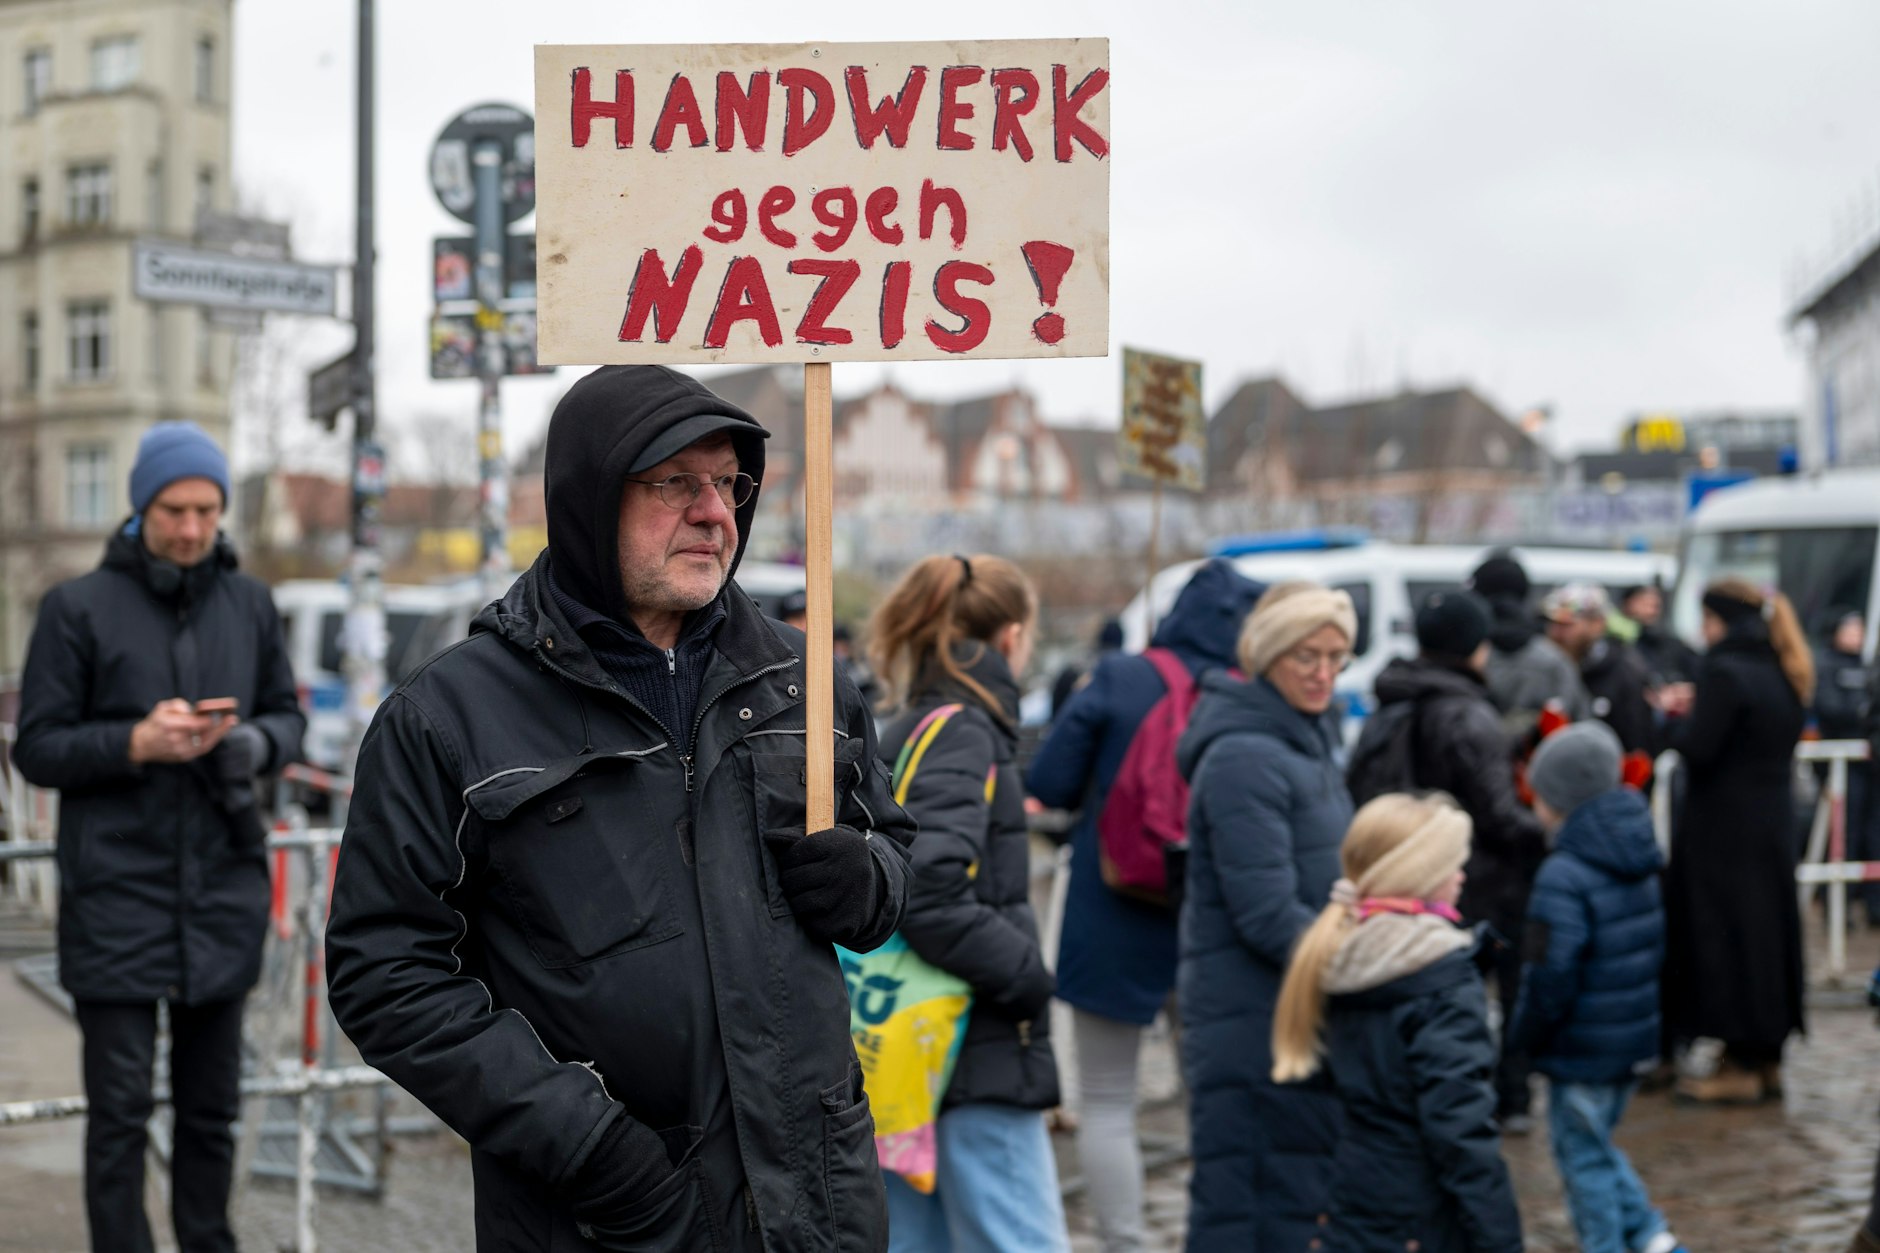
<point x="1462" y="748"/>
<point x="163" y="884"/>
<point x="555" y="911"/>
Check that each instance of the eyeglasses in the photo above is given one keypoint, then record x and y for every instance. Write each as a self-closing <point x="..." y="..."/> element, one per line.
<point x="1311" y="661"/>
<point x="681" y="491"/>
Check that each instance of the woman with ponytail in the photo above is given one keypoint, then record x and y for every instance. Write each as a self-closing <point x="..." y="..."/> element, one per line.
<point x="1383" y="986"/>
<point x="949" y="641"/>
<point x="1733" y="955"/>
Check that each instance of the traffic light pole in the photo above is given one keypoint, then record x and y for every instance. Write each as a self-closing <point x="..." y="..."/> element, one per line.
<point x="486" y="161"/>
<point x="364" y="634"/>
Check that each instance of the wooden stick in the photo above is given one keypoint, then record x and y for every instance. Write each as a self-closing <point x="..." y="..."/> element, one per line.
<point x="819" y="672"/>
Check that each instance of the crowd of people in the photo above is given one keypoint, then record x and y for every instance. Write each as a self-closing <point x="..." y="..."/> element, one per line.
<point x="580" y="915"/>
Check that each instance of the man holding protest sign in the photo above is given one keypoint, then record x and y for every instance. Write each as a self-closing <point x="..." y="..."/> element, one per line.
<point x="577" y="914"/>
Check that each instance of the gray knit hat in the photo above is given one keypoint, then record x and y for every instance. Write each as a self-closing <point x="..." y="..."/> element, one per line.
<point x="1575" y="764"/>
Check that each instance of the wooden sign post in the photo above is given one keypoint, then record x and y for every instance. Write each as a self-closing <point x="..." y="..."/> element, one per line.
<point x="810" y="203"/>
<point x="1164" y="437"/>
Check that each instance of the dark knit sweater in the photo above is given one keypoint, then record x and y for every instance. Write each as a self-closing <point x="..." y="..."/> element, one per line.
<point x="665" y="682"/>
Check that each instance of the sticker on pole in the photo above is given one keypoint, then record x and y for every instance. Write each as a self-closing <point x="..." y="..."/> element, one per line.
<point x="1165" y="434"/>
<point x="827" y="202"/>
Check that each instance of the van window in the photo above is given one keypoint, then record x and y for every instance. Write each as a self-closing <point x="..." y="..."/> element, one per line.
<point x="1818" y="568"/>
<point x="1360" y="594"/>
<point x="401" y="627"/>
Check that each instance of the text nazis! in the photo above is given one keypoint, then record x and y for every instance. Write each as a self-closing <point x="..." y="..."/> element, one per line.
<point x="847" y="201"/>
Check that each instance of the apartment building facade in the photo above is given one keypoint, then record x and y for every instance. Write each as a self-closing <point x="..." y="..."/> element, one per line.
<point x="114" y="125"/>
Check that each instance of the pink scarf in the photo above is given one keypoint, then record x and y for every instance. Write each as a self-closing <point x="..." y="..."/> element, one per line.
<point x="1373" y="905"/>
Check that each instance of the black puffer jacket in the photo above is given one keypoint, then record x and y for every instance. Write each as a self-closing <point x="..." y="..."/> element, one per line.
<point x="1420" y="1164"/>
<point x="1462" y="749"/>
<point x="163" y="891"/>
<point x="969" y="903"/>
<point x="549" y="917"/>
<point x="1616" y="678"/>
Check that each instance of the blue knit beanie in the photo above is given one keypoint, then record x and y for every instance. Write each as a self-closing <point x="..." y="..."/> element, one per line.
<point x="170" y="451"/>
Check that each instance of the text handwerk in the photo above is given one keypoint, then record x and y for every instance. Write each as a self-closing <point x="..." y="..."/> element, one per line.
<point x="742" y="110"/>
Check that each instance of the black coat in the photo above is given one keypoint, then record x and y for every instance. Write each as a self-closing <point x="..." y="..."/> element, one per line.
<point x="969" y="899"/>
<point x="1667" y="658"/>
<point x="1265" y="821"/>
<point x="1462" y="748"/>
<point x="1733" y="956"/>
<point x="1616" y="679"/>
<point x="1420" y="1163"/>
<point x="1842" y="683"/>
<point x="546" y="918"/>
<point x="163" y="891"/>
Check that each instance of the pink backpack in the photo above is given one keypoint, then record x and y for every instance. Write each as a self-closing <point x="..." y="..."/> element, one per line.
<point x="1147" y="809"/>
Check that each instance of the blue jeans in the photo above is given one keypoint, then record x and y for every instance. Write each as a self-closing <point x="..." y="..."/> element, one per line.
<point x="996" y="1189"/>
<point x="1611" y="1212"/>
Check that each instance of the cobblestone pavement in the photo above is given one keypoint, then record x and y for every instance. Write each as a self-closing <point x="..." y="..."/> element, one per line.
<point x="1792" y="1177"/>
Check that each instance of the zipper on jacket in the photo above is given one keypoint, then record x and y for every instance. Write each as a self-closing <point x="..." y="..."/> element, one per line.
<point x="672" y="663"/>
<point x="685" y="759"/>
<point x="699" y="721"/>
<point x="1024" y="1033"/>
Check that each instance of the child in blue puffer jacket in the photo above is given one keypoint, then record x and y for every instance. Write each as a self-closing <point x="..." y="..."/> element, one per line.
<point x="1588" y="1010"/>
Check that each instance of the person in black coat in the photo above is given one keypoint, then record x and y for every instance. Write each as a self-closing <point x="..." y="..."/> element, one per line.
<point x="1843" y="693"/>
<point x="163" y="878"/>
<point x="1383" y="987"/>
<point x="1117" y="954"/>
<point x="1458" y="745"/>
<point x="1265" y="819"/>
<point x="578" y="913"/>
<point x="1733" y="964"/>
<point x="1616" y="678"/>
<point x="953" y="635"/>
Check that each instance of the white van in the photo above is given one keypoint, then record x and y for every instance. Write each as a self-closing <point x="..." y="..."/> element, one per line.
<point x="1387" y="582"/>
<point x="1812" y="536"/>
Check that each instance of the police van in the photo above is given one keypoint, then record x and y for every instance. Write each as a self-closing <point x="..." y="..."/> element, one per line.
<point x="1387" y="582"/>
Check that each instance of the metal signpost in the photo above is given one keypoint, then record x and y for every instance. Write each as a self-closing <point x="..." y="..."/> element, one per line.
<point x="483" y="171"/>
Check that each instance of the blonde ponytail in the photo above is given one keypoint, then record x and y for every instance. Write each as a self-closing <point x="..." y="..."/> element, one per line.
<point x="1398" y="845"/>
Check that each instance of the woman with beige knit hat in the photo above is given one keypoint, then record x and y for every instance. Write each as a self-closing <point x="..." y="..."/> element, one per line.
<point x="1267" y="814"/>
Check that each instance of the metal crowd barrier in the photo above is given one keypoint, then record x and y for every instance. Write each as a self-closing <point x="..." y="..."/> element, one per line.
<point x="1825" y="862"/>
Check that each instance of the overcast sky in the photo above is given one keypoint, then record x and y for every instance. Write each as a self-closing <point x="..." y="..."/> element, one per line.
<point x="1597" y="207"/>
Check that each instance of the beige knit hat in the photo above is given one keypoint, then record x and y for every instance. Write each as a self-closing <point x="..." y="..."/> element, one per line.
<point x="1432" y="837"/>
<point x="1286" y="615"/>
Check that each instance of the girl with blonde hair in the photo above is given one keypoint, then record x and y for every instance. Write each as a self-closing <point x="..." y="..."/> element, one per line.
<point x="1383" y="985"/>
<point x="951" y="640"/>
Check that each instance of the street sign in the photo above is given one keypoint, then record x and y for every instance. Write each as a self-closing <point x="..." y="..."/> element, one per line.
<point x="513" y="131"/>
<point x="172" y="274"/>
<point x="454" y="264"/>
<point x="329" y="389"/>
<point x="1164" y="435"/>
<point x="829" y="202"/>
<point x="454" y="344"/>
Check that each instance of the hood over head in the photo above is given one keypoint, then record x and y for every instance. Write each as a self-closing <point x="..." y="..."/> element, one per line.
<point x="1614" y="833"/>
<point x="1511" y="624"/>
<point x="1206" y="618"/>
<point x="609" y="422"/>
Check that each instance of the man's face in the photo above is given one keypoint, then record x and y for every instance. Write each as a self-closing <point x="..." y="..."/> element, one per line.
<point x="1645" y="607"/>
<point x="181" y="522"/>
<point x="1576" y="634"/>
<point x="676" y="560"/>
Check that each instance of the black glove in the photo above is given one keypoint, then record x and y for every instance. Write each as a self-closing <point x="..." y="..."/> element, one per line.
<point x="831" y="880"/>
<point x="630" y="1160"/>
<point x="242" y="754"/>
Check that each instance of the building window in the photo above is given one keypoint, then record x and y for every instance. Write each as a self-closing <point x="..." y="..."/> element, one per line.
<point x="29" y="210"/>
<point x="88" y="341"/>
<point x="38" y="78"/>
<point x="205" y="191"/>
<point x="114" y="63"/>
<point x="29" y="350"/>
<point x="205" y="70"/>
<point x="154" y="194"/>
<point x="88" y="195"/>
<point x="87" y="486"/>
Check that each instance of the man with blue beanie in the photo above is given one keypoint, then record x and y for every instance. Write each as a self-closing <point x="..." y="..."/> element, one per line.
<point x="1588" y="1012"/>
<point x="156" y="689"/>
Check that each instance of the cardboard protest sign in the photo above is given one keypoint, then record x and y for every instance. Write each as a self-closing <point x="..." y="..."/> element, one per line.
<point x="1165" y="434"/>
<point x="822" y="202"/>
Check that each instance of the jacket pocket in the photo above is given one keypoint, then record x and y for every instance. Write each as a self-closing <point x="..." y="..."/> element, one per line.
<point x="679" y="1213"/>
<point x="581" y="879"/>
<point x="779" y="791"/>
<point x="852" y="1187"/>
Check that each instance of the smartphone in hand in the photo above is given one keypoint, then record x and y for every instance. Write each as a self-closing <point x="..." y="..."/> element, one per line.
<point x="218" y="707"/>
